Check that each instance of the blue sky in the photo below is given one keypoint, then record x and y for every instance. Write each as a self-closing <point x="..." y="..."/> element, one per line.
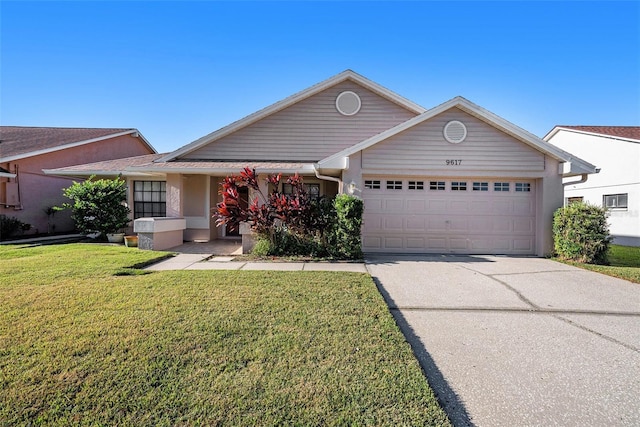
<point x="180" y="70"/>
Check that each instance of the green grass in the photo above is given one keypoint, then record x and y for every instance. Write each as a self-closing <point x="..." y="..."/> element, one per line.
<point x="624" y="262"/>
<point x="84" y="340"/>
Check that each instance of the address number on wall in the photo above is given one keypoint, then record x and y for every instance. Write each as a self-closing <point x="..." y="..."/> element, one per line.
<point x="453" y="162"/>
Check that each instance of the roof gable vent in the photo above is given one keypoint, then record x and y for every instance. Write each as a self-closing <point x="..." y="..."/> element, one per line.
<point x="455" y="132"/>
<point x="348" y="103"/>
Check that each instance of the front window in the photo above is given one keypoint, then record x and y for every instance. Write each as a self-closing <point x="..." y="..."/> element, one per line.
<point x="149" y="199"/>
<point x="615" y="201"/>
<point x="312" y="189"/>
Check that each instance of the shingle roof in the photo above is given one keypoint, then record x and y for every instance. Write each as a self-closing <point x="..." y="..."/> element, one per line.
<point x="145" y="164"/>
<point x="629" y="132"/>
<point x="18" y="140"/>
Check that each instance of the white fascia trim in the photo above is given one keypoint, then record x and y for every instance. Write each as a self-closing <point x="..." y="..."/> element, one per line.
<point x="70" y="145"/>
<point x="557" y="129"/>
<point x="291" y="100"/>
<point x="7" y="175"/>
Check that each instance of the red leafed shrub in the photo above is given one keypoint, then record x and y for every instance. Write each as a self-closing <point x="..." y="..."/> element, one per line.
<point x="293" y="223"/>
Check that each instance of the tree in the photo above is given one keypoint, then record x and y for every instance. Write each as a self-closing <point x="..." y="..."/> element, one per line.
<point x="98" y="206"/>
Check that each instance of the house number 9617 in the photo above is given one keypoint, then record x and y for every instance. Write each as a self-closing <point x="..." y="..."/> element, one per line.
<point x="453" y="162"/>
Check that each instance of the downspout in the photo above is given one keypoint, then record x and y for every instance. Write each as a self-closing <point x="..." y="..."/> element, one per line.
<point x="329" y="178"/>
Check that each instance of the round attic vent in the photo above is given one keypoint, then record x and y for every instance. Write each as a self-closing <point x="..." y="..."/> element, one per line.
<point x="348" y="103"/>
<point x="455" y="132"/>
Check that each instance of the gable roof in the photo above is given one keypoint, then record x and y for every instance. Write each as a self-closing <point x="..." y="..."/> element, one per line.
<point x="631" y="133"/>
<point x="293" y="99"/>
<point x="18" y="142"/>
<point x="578" y="166"/>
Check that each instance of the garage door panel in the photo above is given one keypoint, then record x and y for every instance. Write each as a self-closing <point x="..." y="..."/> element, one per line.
<point x="436" y="224"/>
<point x="415" y="242"/>
<point x="437" y="244"/>
<point x="448" y="221"/>
<point x="523" y="225"/>
<point x="416" y="206"/>
<point x="458" y="225"/>
<point x="392" y="206"/>
<point x="393" y="243"/>
<point x="523" y="207"/>
<point x="393" y="223"/>
<point x="436" y="206"/>
<point x="416" y="224"/>
<point x="480" y="207"/>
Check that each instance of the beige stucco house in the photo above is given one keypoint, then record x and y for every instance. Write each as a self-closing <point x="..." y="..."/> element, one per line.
<point x="455" y="178"/>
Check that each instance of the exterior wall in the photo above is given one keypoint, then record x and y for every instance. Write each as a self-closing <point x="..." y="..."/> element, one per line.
<point x="619" y="163"/>
<point x="39" y="191"/>
<point x="310" y="130"/>
<point x="424" y="147"/>
<point x="196" y="207"/>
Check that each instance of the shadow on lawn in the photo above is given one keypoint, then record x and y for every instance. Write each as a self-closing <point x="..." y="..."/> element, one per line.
<point x="447" y="398"/>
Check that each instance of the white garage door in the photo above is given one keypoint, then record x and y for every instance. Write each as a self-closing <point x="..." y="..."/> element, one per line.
<point x="433" y="215"/>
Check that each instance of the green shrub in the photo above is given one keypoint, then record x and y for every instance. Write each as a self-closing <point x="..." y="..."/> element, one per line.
<point x="346" y="235"/>
<point x="262" y="247"/>
<point x="98" y="206"/>
<point x="10" y="225"/>
<point x="581" y="233"/>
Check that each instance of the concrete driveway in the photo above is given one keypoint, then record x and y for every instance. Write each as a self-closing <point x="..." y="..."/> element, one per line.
<point x="519" y="341"/>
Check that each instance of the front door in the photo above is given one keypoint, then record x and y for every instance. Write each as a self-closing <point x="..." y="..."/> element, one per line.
<point x="243" y="199"/>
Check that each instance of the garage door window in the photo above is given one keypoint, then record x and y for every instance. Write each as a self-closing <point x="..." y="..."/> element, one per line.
<point x="480" y="186"/>
<point x="372" y="184"/>
<point x="394" y="185"/>
<point x="436" y="185"/>
<point x="523" y="187"/>
<point x="500" y="186"/>
<point x="458" y="186"/>
<point x="416" y="185"/>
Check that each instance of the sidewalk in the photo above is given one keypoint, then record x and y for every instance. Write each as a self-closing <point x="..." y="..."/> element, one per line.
<point x="186" y="261"/>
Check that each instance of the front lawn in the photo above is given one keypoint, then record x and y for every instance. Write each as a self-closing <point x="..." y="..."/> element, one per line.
<point x="624" y="262"/>
<point x="87" y="340"/>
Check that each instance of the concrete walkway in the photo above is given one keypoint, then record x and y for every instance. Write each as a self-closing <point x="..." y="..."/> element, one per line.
<point x="220" y="255"/>
<point x="205" y="262"/>
<point x="519" y="341"/>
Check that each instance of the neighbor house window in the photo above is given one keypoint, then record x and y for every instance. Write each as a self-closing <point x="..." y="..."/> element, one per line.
<point x="480" y="186"/>
<point x="615" y="201"/>
<point x="576" y="199"/>
<point x="149" y="199"/>
<point x="394" y="185"/>
<point x="458" y="186"/>
<point x="500" y="186"/>
<point x="416" y="185"/>
<point x="372" y="184"/>
<point x="523" y="187"/>
<point x="436" y="185"/>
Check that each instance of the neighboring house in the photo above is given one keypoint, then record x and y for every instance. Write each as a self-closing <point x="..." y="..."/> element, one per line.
<point x="616" y="149"/>
<point x="452" y="179"/>
<point x="26" y="192"/>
